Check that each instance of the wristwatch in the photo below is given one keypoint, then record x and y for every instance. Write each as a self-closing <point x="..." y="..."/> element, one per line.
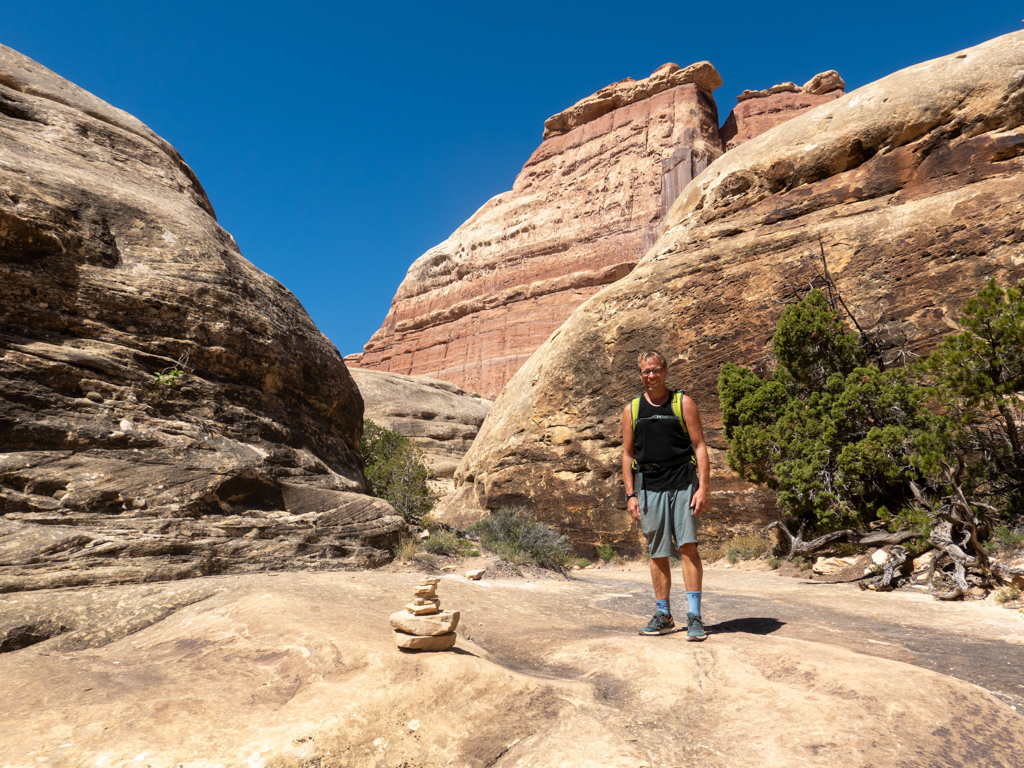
<point x="630" y="496"/>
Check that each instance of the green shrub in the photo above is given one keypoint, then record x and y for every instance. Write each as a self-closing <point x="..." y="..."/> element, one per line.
<point x="605" y="552"/>
<point x="396" y="469"/>
<point x="516" y="537"/>
<point x="441" y="542"/>
<point x="582" y="563"/>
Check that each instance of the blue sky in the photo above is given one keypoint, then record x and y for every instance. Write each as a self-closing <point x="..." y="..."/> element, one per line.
<point x="339" y="141"/>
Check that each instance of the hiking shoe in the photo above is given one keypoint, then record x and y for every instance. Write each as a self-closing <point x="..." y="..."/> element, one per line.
<point x="694" y="628"/>
<point x="660" y="625"/>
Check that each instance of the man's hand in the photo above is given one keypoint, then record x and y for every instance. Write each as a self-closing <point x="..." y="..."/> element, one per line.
<point x="699" y="502"/>
<point x="633" y="505"/>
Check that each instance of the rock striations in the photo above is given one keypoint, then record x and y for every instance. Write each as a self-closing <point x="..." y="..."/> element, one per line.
<point x="760" y="111"/>
<point x="586" y="206"/>
<point x="913" y="185"/>
<point x="113" y="269"/>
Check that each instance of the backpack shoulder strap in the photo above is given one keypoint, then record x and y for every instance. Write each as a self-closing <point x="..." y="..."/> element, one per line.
<point x="634" y="409"/>
<point x="677" y="409"/>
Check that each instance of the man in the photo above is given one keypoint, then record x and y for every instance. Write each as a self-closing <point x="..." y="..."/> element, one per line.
<point x="666" y="452"/>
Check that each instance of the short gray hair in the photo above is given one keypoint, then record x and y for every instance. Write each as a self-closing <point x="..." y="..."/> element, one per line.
<point x="651" y="355"/>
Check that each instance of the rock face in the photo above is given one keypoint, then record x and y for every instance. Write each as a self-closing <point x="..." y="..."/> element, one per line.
<point x="586" y="206"/>
<point x="913" y="184"/>
<point x="113" y="269"/>
<point x="440" y="417"/>
<point x="760" y="111"/>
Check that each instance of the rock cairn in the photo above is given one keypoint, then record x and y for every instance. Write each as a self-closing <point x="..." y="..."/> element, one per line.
<point x="423" y="626"/>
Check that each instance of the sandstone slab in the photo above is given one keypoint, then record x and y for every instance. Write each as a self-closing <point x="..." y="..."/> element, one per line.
<point x="167" y="409"/>
<point x="301" y="667"/>
<point x="584" y="209"/>
<point x="913" y="186"/>
<point x="429" y="625"/>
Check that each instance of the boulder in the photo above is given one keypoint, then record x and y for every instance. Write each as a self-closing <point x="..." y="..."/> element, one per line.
<point x="911" y="186"/>
<point x="584" y="209"/>
<point x="439" y="417"/>
<point x="424" y="626"/>
<point x="425" y="643"/>
<point x="167" y="409"/>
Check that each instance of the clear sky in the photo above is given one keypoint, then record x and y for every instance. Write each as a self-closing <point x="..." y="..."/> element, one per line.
<point x="339" y="141"/>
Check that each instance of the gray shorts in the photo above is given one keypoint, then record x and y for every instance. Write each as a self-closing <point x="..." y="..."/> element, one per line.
<point x="665" y="515"/>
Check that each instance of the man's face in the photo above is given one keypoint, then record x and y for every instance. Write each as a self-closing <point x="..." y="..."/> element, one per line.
<point x="652" y="373"/>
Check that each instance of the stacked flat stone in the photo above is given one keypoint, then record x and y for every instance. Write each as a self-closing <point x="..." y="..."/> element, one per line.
<point x="423" y="626"/>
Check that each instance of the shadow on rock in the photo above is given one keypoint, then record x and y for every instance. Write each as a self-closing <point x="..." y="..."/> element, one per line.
<point x="750" y="626"/>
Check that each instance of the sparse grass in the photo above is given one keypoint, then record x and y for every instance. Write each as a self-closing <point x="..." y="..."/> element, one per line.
<point x="407" y="548"/>
<point x="1008" y="536"/>
<point x="774" y="562"/>
<point x="605" y="552"/>
<point x="1006" y="594"/>
<point x="516" y="537"/>
<point x="747" y="548"/>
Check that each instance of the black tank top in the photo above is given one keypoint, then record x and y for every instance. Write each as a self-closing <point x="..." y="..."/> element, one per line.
<point x="658" y="437"/>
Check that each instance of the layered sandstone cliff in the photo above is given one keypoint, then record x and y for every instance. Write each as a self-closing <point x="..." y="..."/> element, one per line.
<point x="760" y="111"/>
<point x="586" y="206"/>
<point x="113" y="269"/>
<point x="913" y="185"/>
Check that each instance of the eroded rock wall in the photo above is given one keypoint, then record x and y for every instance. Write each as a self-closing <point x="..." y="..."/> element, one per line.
<point x="586" y="206"/>
<point x="113" y="268"/>
<point x="913" y="185"/>
<point x="760" y="111"/>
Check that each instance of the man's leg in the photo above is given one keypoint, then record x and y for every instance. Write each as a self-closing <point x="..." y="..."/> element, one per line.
<point x="661" y="577"/>
<point x="693" y="569"/>
<point x="693" y="577"/>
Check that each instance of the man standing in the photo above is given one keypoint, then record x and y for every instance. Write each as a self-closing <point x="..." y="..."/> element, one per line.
<point x="663" y="442"/>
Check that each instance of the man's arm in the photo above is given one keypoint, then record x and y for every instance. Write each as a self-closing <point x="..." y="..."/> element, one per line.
<point x="632" y="504"/>
<point x="691" y="416"/>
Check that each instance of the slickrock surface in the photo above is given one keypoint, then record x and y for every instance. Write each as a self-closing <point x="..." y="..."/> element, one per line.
<point x="301" y="669"/>
<point x="113" y="267"/>
<point x="439" y="417"/>
<point x="760" y="111"/>
<point x="913" y="183"/>
<point x="586" y="206"/>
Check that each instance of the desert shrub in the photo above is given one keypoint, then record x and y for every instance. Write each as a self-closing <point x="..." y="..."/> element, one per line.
<point x="746" y="548"/>
<point x="582" y="562"/>
<point x="441" y="542"/>
<point x="605" y="552"/>
<point x="515" y="536"/>
<point x="1008" y="536"/>
<point x="396" y="469"/>
<point x="1006" y="594"/>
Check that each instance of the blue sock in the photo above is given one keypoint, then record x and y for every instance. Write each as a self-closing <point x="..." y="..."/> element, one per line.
<point x="693" y="598"/>
<point x="663" y="607"/>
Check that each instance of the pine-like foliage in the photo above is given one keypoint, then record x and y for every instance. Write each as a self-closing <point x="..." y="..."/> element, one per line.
<point x="396" y="469"/>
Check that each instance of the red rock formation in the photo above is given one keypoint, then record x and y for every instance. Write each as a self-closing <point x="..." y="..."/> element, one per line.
<point x="759" y="111"/>
<point x="586" y="206"/>
<point x="914" y="184"/>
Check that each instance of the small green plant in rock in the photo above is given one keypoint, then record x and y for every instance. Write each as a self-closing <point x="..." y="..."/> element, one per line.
<point x="605" y="552"/>
<point x="1009" y="537"/>
<point x="516" y="537"/>
<point x="441" y="542"/>
<point x="168" y="378"/>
